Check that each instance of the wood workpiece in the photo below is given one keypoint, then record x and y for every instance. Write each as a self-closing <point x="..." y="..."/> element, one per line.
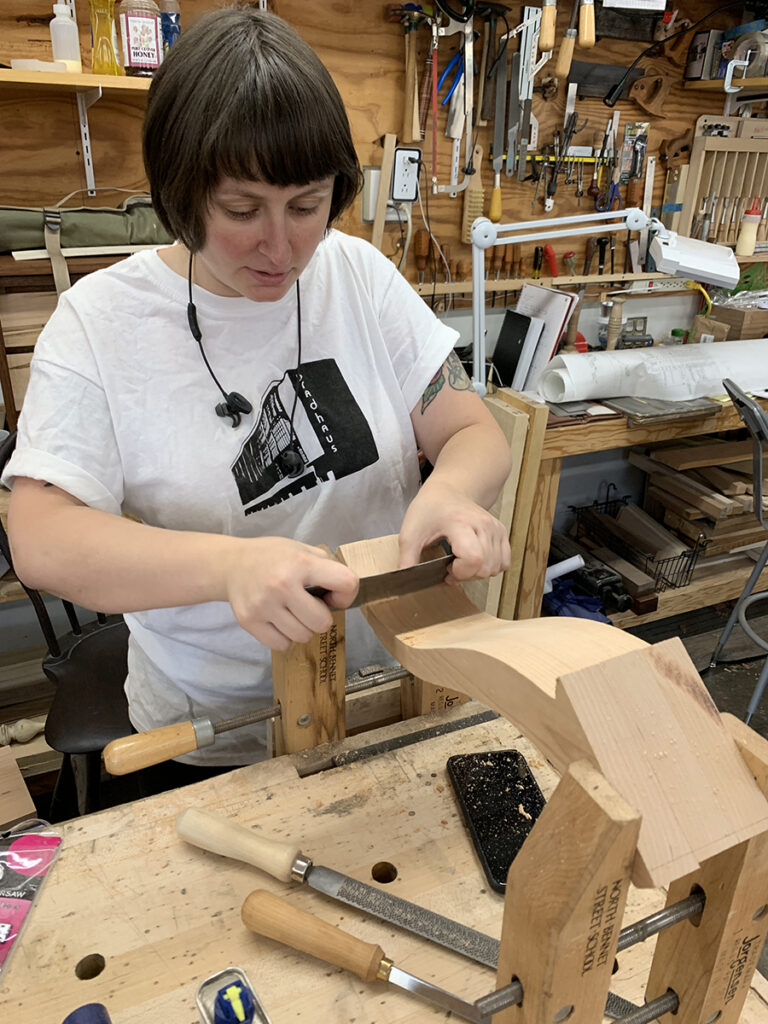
<point x="581" y="689"/>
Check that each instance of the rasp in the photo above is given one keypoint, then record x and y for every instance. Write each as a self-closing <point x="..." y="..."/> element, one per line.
<point x="287" y="863"/>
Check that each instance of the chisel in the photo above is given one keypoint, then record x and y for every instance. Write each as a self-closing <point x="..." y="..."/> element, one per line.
<point x="287" y="863"/>
<point x="267" y="914"/>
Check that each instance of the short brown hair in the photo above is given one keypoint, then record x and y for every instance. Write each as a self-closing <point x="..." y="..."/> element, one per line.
<point x="241" y="95"/>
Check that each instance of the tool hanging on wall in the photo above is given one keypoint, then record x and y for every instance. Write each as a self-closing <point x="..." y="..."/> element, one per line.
<point x="528" y="130"/>
<point x="499" y="125"/>
<point x="466" y="83"/>
<point x="473" y="197"/>
<point x="565" y="53"/>
<point x="513" y="112"/>
<point x="547" y="28"/>
<point x="586" y="24"/>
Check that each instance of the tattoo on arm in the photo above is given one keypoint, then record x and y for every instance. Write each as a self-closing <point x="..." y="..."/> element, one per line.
<point x="453" y="371"/>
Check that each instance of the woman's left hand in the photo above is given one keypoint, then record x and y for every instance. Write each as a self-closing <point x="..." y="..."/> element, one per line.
<point x="478" y="540"/>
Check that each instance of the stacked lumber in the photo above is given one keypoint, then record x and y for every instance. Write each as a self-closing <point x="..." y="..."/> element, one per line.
<point x="701" y="492"/>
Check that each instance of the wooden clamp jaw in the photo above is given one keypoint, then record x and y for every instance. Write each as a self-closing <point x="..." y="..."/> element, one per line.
<point x="308" y="684"/>
<point x="676" y="805"/>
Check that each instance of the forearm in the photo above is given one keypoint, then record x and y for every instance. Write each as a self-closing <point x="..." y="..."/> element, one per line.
<point x="475" y="461"/>
<point x="113" y="564"/>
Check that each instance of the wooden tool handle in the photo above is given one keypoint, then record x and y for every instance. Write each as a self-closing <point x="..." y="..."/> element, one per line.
<point x="547" y="26"/>
<point x="565" y="54"/>
<point x="130" y="753"/>
<point x="494" y="210"/>
<point x="587" y="24"/>
<point x="267" y="914"/>
<point x="217" y="835"/>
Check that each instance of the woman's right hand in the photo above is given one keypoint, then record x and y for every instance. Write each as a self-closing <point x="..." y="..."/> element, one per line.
<point x="266" y="580"/>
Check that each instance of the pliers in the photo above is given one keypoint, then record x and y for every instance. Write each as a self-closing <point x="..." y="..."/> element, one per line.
<point x="457" y="61"/>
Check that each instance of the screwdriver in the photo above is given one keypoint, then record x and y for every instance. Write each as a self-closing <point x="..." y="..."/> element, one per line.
<point x="422" y="246"/>
<point x="538" y="255"/>
<point x="569" y="259"/>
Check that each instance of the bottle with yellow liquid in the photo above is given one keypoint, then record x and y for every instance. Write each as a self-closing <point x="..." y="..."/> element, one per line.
<point x="104" y="38"/>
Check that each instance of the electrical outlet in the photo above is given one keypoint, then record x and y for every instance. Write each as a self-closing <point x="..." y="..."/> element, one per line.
<point x="405" y="175"/>
<point x="658" y="284"/>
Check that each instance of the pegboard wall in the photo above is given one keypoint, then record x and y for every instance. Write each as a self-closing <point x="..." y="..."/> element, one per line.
<point x="365" y="50"/>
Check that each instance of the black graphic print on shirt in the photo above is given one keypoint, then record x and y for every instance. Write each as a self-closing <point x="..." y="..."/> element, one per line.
<point x="332" y="435"/>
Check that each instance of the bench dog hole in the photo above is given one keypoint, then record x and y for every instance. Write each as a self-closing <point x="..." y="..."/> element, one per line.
<point x="90" y="966"/>
<point x="383" y="871"/>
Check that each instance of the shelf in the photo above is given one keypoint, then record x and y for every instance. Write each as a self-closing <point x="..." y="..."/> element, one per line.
<point x="61" y="81"/>
<point x="716" y="84"/>
<point x="609" y="280"/>
<point x="713" y="589"/>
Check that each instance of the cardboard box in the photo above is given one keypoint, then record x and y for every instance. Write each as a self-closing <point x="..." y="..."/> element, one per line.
<point x="744" y="323"/>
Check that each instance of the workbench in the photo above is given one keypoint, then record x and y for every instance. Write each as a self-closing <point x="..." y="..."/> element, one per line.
<point x="165" y="915"/>
<point x="561" y="442"/>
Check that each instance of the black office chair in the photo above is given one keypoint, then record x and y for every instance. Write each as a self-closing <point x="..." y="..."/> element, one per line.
<point x="88" y="665"/>
<point x="756" y="422"/>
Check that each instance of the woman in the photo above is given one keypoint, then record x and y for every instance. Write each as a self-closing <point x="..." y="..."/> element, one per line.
<point x="341" y="372"/>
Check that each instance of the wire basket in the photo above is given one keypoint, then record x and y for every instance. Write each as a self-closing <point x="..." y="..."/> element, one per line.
<point x="667" y="573"/>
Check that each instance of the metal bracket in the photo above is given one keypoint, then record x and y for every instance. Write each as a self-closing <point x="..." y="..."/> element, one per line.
<point x="85" y="99"/>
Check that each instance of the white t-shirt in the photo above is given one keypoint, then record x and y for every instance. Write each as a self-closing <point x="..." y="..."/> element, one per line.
<point x="120" y="413"/>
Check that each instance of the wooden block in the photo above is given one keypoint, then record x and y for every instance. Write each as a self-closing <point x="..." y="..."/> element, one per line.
<point x="710" y="965"/>
<point x="635" y="580"/>
<point x="527" y="562"/>
<point x="651" y="536"/>
<point x="566" y="891"/>
<point x="644" y="604"/>
<point x="718" y="453"/>
<point x="711" y="503"/>
<point x="729" y="484"/>
<point x="683" y="486"/>
<point x="654" y="729"/>
<point x="15" y="802"/>
<point x="486" y="594"/>
<point x="671" y="502"/>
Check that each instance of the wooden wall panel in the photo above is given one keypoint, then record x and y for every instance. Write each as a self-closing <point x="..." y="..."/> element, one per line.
<point x="40" y="160"/>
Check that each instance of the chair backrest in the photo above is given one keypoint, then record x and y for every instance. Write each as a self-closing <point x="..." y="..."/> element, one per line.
<point x="52" y="641"/>
<point x="23" y="315"/>
<point x="755" y="420"/>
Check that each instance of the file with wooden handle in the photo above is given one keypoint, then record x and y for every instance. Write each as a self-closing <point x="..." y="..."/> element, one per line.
<point x="565" y="53"/>
<point x="547" y="26"/>
<point x="587" y="24"/>
<point x="499" y="126"/>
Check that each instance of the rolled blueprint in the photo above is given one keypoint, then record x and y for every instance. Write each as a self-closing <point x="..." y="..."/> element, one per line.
<point x="669" y="373"/>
